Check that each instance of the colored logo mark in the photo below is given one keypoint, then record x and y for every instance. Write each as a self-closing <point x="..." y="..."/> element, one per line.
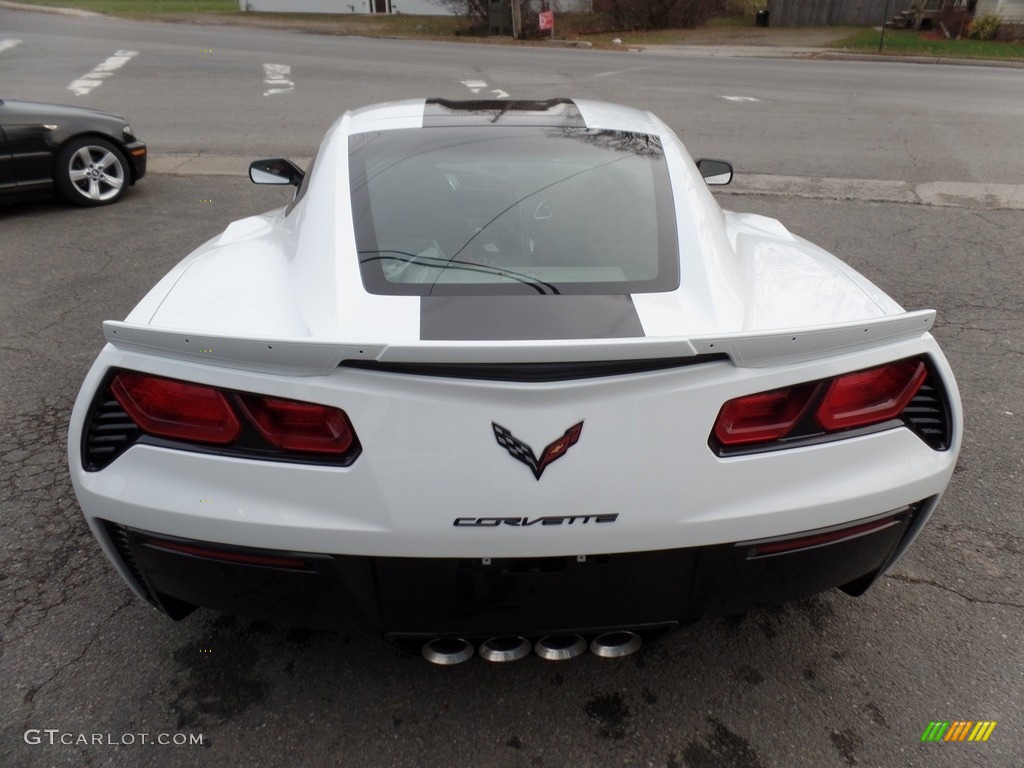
<point x="958" y="730"/>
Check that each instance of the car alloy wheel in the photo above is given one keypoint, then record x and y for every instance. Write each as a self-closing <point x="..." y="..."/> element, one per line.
<point x="91" y="171"/>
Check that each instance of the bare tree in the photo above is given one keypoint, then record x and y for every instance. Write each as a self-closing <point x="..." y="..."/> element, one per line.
<point x="473" y="9"/>
<point x="663" y="14"/>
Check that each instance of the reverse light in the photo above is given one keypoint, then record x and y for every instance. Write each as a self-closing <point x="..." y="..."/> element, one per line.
<point x="762" y="417"/>
<point x="870" y="397"/>
<point x="295" y="426"/>
<point x="176" y="409"/>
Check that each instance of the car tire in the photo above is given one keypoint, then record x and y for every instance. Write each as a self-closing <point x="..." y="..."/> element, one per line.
<point x="91" y="171"/>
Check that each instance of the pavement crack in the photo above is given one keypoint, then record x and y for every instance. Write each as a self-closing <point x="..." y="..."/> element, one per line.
<point x="30" y="697"/>
<point x="943" y="587"/>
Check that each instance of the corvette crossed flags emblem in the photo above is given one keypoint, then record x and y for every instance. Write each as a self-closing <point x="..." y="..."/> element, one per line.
<point x="517" y="449"/>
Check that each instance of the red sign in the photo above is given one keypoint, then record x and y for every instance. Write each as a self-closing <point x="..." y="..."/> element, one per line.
<point x="546" y="20"/>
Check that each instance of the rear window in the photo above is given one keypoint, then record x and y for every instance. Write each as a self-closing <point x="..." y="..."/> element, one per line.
<point x="512" y="209"/>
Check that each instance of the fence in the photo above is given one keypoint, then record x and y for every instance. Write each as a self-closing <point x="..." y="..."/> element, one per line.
<point x="823" y="13"/>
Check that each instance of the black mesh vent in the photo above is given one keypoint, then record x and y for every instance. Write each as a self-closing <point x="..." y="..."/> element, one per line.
<point x="119" y="537"/>
<point x="928" y="415"/>
<point x="108" y="432"/>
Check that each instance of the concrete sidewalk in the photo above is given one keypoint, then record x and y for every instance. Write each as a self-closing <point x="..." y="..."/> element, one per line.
<point x="947" y="194"/>
<point x="819" y="54"/>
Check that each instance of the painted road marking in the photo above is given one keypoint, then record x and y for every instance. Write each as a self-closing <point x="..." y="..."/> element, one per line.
<point x="475" y="86"/>
<point x="738" y="98"/>
<point x="621" y="72"/>
<point x="7" y="43"/>
<point x="276" y="76"/>
<point x="91" y="80"/>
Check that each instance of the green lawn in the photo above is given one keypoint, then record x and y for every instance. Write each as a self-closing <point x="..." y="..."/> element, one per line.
<point x="921" y="44"/>
<point x="596" y="28"/>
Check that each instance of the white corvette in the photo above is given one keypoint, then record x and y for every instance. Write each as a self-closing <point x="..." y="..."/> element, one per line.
<point x="503" y="377"/>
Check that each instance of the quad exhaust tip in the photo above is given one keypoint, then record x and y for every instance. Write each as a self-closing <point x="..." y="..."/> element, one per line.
<point x="447" y="651"/>
<point x="614" y="645"/>
<point x="560" y="647"/>
<point x="499" y="649"/>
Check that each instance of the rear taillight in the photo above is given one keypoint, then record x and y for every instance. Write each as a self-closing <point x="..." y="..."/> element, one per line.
<point x="175" y="409"/>
<point x="236" y="423"/>
<point x="762" y="417"/>
<point x="295" y="426"/>
<point x="870" y="397"/>
<point x="819" y="409"/>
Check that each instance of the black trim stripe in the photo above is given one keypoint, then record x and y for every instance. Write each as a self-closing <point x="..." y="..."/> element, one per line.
<point x="528" y="318"/>
<point x="534" y="372"/>
<point x="553" y="112"/>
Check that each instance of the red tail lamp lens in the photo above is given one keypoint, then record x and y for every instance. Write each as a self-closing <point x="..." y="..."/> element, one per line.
<point x="870" y="397"/>
<point x="295" y="426"/>
<point x="762" y="417"/>
<point x="174" y="409"/>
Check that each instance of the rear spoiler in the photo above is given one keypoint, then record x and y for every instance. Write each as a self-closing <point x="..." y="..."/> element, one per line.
<point x="312" y="357"/>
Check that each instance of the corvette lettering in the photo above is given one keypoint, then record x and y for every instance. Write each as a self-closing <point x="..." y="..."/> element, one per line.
<point x="520" y="451"/>
<point x="525" y="522"/>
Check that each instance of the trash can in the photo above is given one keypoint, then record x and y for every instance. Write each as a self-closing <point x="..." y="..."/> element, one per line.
<point x="762" y="18"/>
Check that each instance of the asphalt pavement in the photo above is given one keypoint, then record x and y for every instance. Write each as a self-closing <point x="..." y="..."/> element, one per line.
<point x="852" y="156"/>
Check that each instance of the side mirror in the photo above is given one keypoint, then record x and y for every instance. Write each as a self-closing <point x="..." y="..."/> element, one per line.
<point x="715" y="172"/>
<point x="275" y="171"/>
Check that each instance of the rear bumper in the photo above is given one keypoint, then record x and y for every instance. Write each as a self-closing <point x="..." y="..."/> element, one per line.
<point x="411" y="600"/>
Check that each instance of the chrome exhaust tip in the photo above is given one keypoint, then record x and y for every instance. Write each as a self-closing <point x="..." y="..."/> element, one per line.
<point x="559" y="647"/>
<point x="614" y="645"/>
<point x="447" y="650"/>
<point x="500" y="649"/>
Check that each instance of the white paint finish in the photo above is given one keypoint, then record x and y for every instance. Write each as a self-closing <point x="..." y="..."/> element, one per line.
<point x="8" y="43"/>
<point x="276" y="77"/>
<point x="429" y="456"/>
<point x="105" y="69"/>
<point x="739" y="98"/>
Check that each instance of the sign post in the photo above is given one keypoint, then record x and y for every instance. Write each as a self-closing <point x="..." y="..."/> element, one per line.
<point x="546" y="21"/>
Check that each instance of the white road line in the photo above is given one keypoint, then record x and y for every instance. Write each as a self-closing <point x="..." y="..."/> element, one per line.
<point x="475" y="86"/>
<point x="276" y="76"/>
<point x="105" y="69"/>
<point x="7" y="43"/>
<point x="620" y="72"/>
<point x="738" y="98"/>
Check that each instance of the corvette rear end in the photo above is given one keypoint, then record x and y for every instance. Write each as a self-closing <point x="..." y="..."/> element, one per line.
<point x="504" y="377"/>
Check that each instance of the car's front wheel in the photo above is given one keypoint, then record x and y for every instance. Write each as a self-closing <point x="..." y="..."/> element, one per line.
<point x="91" y="171"/>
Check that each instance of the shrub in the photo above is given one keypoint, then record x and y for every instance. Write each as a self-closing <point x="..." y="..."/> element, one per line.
<point x="984" y="27"/>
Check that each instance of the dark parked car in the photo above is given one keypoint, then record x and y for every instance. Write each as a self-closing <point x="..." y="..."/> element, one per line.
<point x="91" y="157"/>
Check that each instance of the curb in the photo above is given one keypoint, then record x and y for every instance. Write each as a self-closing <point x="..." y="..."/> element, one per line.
<point x="942" y="194"/>
<point x="49" y="9"/>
